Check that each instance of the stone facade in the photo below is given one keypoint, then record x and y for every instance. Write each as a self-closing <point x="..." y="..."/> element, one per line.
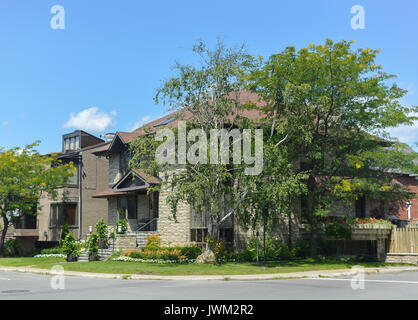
<point x="411" y="258"/>
<point x="114" y="169"/>
<point x="125" y="242"/>
<point x="170" y="231"/>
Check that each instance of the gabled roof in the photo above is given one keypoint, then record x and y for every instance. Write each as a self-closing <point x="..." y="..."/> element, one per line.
<point x="171" y="120"/>
<point x="131" y="182"/>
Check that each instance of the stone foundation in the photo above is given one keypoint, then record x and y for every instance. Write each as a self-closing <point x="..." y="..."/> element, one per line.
<point x="125" y="242"/>
<point x="411" y="258"/>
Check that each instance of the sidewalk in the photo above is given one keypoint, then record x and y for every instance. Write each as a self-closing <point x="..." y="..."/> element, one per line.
<point x="268" y="276"/>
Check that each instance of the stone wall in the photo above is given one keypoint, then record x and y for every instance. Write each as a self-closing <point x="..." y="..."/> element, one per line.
<point x="125" y="242"/>
<point x="112" y="207"/>
<point x="411" y="258"/>
<point x="114" y="169"/>
<point x="170" y="231"/>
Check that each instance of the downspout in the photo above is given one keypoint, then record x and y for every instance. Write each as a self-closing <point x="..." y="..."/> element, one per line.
<point x="80" y="192"/>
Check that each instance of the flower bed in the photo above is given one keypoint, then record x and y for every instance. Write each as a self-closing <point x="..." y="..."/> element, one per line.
<point x="129" y="259"/>
<point x="51" y="255"/>
<point x="372" y="221"/>
<point x="357" y="221"/>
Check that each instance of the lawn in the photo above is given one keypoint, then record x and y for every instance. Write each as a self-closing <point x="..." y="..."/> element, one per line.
<point x="120" y="267"/>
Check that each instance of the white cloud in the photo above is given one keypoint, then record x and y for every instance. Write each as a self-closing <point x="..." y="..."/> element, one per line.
<point x="91" y="120"/>
<point x="140" y="123"/>
<point x="407" y="134"/>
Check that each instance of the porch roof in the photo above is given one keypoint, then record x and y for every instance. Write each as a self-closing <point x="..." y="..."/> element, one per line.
<point x="133" y="182"/>
<point x="110" y="193"/>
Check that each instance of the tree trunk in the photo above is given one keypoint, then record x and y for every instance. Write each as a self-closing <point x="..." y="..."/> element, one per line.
<point x="314" y="244"/>
<point x="3" y="235"/>
<point x="312" y="222"/>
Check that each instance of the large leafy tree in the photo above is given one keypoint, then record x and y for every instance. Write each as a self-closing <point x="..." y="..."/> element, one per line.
<point x="208" y="96"/>
<point x="24" y="176"/>
<point x="333" y="103"/>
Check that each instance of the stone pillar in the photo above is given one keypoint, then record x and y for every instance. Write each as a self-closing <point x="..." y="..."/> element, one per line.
<point x="381" y="250"/>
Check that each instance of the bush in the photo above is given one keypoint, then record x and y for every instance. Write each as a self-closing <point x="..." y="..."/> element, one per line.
<point x="92" y="243"/>
<point x="123" y="224"/>
<point x="13" y="248"/>
<point x="101" y="229"/>
<point x="69" y="246"/>
<point x="190" y="252"/>
<point x="164" y="253"/>
<point x="64" y="232"/>
<point x="153" y="240"/>
<point x="275" y="250"/>
<point x="52" y="251"/>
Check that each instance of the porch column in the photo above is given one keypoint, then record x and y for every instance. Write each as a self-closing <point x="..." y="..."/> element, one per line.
<point x="381" y="250"/>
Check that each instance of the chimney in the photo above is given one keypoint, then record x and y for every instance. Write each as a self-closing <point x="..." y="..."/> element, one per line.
<point x="109" y="136"/>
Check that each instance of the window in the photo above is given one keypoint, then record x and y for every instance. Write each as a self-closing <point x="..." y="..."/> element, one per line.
<point x="198" y="235"/>
<point x="166" y="121"/>
<point x="67" y="144"/>
<point x="73" y="180"/>
<point x="127" y="204"/>
<point x="227" y="235"/>
<point x="304" y="208"/>
<point x="124" y="159"/>
<point x="62" y="213"/>
<point x="361" y="207"/>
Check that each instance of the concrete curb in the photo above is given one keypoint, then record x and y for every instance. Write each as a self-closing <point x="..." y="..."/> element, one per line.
<point x="266" y="276"/>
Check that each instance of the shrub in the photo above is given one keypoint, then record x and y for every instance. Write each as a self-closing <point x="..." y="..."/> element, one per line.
<point x="153" y="240"/>
<point x="69" y="245"/>
<point x="275" y="249"/>
<point x="101" y="229"/>
<point x="218" y="247"/>
<point x="93" y="243"/>
<point x="123" y="224"/>
<point x="13" y="248"/>
<point x="191" y="252"/>
<point x="64" y="232"/>
<point x="158" y="253"/>
<point x="52" y="251"/>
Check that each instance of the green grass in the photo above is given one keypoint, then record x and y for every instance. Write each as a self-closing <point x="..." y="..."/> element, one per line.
<point x="120" y="267"/>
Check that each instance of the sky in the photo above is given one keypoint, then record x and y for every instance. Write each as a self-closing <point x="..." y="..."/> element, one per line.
<point x="101" y="71"/>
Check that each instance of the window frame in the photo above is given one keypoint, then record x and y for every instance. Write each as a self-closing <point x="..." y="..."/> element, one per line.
<point x="60" y="217"/>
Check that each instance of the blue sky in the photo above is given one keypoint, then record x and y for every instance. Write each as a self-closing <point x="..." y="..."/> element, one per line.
<point x="100" y="73"/>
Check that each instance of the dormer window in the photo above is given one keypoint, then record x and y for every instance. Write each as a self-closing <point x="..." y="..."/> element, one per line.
<point x="72" y="143"/>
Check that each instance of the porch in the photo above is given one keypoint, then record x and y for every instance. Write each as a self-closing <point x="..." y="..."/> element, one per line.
<point x="130" y="200"/>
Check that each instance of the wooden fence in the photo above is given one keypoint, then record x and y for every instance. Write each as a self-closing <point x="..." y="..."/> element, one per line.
<point x="404" y="240"/>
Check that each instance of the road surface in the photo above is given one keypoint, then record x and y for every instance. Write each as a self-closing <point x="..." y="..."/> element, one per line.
<point x="15" y="285"/>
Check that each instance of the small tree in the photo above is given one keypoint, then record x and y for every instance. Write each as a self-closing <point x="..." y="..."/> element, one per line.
<point x="69" y="247"/>
<point x="64" y="232"/>
<point x="24" y="176"/>
<point x="101" y="229"/>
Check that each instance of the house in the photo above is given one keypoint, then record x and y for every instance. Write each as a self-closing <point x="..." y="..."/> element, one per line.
<point x="75" y="204"/>
<point x="147" y="212"/>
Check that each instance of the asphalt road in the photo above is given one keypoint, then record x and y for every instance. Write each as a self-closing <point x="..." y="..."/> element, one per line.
<point x="15" y="285"/>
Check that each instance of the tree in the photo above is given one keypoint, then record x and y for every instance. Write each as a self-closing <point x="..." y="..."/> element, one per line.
<point x="334" y="104"/>
<point x="208" y="97"/>
<point x="24" y="176"/>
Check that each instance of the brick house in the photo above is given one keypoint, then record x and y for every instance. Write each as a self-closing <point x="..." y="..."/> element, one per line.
<point x="149" y="213"/>
<point x="75" y="205"/>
